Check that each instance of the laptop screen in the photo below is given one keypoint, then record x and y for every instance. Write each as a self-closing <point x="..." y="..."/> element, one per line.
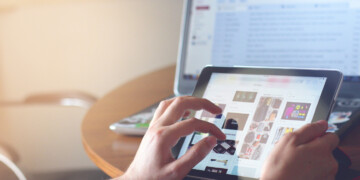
<point x="277" y="33"/>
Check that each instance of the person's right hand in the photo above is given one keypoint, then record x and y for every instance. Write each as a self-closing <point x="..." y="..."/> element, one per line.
<point x="303" y="154"/>
<point x="154" y="159"/>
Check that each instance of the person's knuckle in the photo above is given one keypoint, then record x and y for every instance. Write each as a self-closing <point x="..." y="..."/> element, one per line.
<point x="316" y="127"/>
<point x="164" y="103"/>
<point x="206" y="100"/>
<point x="151" y="130"/>
<point x="180" y="100"/>
<point x="157" y="132"/>
<point x="174" y="171"/>
<point x="192" y="120"/>
<point x="287" y="136"/>
<point x="290" y="137"/>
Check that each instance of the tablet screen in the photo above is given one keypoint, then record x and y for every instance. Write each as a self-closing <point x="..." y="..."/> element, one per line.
<point x="257" y="111"/>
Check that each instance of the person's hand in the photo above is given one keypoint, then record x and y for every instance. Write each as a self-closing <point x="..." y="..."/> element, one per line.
<point x="303" y="154"/>
<point x="154" y="160"/>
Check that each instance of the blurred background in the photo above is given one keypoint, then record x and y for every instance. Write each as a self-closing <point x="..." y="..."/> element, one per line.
<point x="58" y="46"/>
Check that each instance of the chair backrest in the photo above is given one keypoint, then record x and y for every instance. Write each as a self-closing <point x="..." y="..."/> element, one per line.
<point x="77" y="99"/>
<point x="8" y="169"/>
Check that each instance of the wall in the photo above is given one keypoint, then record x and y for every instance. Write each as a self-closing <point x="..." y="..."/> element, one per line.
<point x="46" y="138"/>
<point x="88" y="46"/>
<point x="93" y="46"/>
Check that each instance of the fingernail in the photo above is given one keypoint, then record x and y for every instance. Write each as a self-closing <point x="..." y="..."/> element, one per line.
<point x="211" y="141"/>
<point x="224" y="137"/>
<point x="322" y="123"/>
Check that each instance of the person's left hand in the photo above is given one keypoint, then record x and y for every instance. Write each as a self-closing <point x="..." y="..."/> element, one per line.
<point x="303" y="154"/>
<point x="154" y="159"/>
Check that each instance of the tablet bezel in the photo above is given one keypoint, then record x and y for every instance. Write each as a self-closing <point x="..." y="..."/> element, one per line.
<point x="323" y="109"/>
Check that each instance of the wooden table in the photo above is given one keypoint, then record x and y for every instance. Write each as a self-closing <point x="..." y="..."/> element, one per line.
<point x="113" y="153"/>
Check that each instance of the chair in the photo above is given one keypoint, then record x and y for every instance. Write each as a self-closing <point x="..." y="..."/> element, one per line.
<point x="8" y="169"/>
<point x="8" y="156"/>
<point x="77" y="99"/>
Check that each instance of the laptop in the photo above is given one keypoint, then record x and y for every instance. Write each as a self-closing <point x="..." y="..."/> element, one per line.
<point x="274" y="33"/>
<point x="297" y="33"/>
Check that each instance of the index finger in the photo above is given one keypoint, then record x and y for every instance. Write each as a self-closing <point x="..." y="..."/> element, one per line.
<point x="186" y="127"/>
<point x="179" y="105"/>
<point x="310" y="131"/>
<point x="163" y="105"/>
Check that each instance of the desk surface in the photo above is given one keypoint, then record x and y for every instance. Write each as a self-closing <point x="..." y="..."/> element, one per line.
<point x="113" y="153"/>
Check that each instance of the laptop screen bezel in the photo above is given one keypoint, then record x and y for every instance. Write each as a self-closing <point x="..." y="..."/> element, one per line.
<point x="183" y="86"/>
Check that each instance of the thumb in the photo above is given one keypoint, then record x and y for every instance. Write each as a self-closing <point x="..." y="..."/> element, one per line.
<point x="193" y="156"/>
<point x="311" y="131"/>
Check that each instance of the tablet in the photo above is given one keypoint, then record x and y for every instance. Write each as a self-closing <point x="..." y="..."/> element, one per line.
<point x="259" y="105"/>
